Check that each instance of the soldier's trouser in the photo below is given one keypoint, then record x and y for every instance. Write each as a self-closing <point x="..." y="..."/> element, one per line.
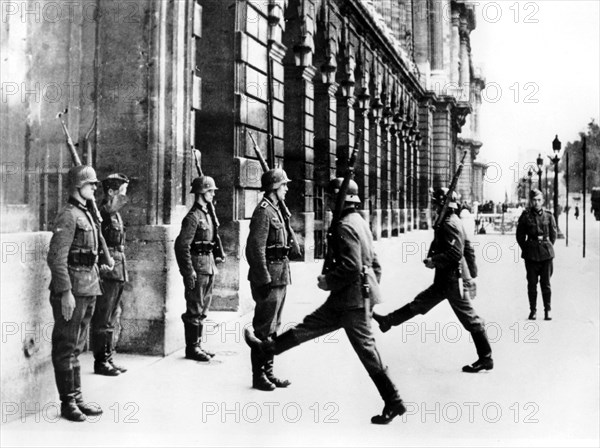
<point x="198" y="300"/>
<point x="462" y="307"/>
<point x="69" y="337"/>
<point x="326" y="319"/>
<point x="269" y="306"/>
<point x="105" y="316"/>
<point x="543" y="270"/>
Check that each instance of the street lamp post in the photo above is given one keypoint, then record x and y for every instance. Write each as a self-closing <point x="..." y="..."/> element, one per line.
<point x="556" y="145"/>
<point x="540" y="164"/>
<point x="529" y="175"/>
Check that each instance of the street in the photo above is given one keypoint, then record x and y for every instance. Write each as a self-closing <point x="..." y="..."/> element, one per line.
<point x="543" y="391"/>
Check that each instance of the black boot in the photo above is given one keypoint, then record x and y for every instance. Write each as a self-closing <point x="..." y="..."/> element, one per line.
<point x="547" y="315"/>
<point x="484" y="351"/>
<point x="393" y="403"/>
<point x="192" y="343"/>
<point x="259" y="379"/>
<point x="532" y="315"/>
<point x="200" y="331"/>
<point x="87" y="409"/>
<point x="397" y="317"/>
<point x="102" y="355"/>
<point x="66" y="391"/>
<point x="268" y="368"/>
<point x="110" y="352"/>
<point x="271" y="346"/>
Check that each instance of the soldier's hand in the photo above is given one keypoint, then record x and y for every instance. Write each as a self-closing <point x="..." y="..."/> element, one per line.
<point x="219" y="260"/>
<point x="104" y="268"/>
<point x="322" y="283"/>
<point x="429" y="263"/>
<point x="190" y="281"/>
<point x="67" y="302"/>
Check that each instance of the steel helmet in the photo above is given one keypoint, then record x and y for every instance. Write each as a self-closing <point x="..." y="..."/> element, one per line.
<point x="273" y="179"/>
<point x="80" y="175"/>
<point x="351" y="194"/>
<point x="202" y="184"/>
<point x="114" y="181"/>
<point x="535" y="193"/>
<point x="439" y="196"/>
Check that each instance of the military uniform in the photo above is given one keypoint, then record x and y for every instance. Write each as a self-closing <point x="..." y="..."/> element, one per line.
<point x="107" y="306"/>
<point x="448" y="248"/>
<point x="536" y="234"/>
<point x="194" y="253"/>
<point x="73" y="262"/>
<point x="269" y="274"/>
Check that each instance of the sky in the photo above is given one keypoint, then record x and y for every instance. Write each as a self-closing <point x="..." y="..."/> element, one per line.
<point x="541" y="63"/>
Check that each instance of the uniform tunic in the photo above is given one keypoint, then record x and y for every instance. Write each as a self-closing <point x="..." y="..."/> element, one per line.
<point x="194" y="253"/>
<point x="269" y="274"/>
<point x="73" y="262"/>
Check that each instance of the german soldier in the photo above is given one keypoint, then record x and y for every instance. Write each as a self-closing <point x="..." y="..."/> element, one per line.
<point x="108" y="305"/>
<point x="449" y="246"/>
<point x="267" y="252"/>
<point x="352" y="246"/>
<point x="536" y="234"/>
<point x="194" y="252"/>
<point x="73" y="262"/>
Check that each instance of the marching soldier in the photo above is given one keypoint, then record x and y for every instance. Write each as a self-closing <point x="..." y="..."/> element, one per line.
<point x="267" y="252"/>
<point x="449" y="246"/>
<point x="73" y="262"/>
<point x="108" y="305"/>
<point x="536" y="234"/>
<point x="345" y="307"/>
<point x="194" y="253"/>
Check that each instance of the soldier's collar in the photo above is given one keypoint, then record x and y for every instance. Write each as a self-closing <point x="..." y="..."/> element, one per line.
<point x="77" y="204"/>
<point x="203" y="207"/>
<point x="269" y="202"/>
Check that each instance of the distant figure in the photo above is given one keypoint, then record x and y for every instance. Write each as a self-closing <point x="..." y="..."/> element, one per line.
<point x="536" y="233"/>
<point x="576" y="212"/>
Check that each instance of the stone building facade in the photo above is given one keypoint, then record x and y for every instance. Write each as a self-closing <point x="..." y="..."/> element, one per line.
<point x="150" y="80"/>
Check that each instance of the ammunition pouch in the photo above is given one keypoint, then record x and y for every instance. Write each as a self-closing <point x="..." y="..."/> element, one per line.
<point x="202" y="247"/>
<point x="277" y="252"/>
<point x="82" y="257"/>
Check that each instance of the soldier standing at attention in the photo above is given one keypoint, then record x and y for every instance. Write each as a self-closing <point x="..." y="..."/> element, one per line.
<point x="194" y="252"/>
<point x="267" y="252"/>
<point x="536" y="234"/>
<point x="107" y="306"/>
<point x="73" y="262"/>
<point x="352" y="247"/>
<point x="449" y="246"/>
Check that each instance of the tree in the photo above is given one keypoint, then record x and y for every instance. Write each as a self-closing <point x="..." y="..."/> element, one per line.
<point x="574" y="149"/>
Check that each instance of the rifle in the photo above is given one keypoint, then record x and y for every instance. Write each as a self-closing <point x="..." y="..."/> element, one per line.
<point x="218" y="249"/>
<point x="285" y="211"/>
<point x="451" y="189"/>
<point x="339" y="205"/>
<point x="90" y="204"/>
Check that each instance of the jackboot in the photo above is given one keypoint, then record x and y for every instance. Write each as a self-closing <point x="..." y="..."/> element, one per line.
<point x="200" y="331"/>
<point x="393" y="403"/>
<point x="484" y="351"/>
<point x="532" y="315"/>
<point x="86" y="408"/>
<point x="66" y="392"/>
<point x="192" y="343"/>
<point x="110" y="352"/>
<point x="268" y="369"/>
<point x="395" y="318"/>
<point x="547" y="315"/>
<point x="259" y="379"/>
<point x="272" y="345"/>
<point x="102" y="355"/>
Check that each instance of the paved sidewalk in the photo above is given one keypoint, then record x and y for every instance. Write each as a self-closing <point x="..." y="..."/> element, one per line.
<point x="543" y="391"/>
